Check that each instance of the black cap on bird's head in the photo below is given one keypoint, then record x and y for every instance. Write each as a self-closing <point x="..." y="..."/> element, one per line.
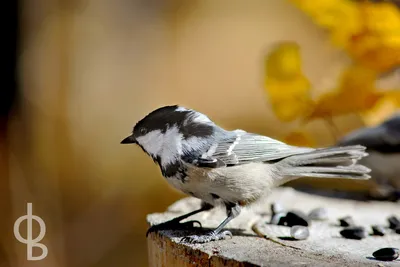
<point x="185" y="122"/>
<point x="159" y="119"/>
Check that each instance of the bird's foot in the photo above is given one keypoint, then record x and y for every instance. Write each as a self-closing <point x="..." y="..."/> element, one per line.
<point x="211" y="236"/>
<point x="172" y="225"/>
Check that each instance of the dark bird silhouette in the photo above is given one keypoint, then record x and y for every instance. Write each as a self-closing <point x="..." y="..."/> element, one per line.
<point x="383" y="146"/>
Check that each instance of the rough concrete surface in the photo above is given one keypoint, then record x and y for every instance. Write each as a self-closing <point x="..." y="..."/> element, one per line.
<point x="324" y="247"/>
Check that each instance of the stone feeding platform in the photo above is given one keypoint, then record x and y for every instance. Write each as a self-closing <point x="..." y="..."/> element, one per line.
<point x="256" y="242"/>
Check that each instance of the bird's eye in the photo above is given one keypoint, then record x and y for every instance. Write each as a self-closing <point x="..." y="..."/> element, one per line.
<point x="143" y="130"/>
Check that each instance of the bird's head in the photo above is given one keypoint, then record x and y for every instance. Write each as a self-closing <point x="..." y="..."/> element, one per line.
<point x="169" y="132"/>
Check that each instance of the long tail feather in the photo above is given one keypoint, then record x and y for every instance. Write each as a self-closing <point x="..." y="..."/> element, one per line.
<point x="335" y="162"/>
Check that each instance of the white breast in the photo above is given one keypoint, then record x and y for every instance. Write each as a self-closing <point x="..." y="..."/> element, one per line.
<point x="245" y="183"/>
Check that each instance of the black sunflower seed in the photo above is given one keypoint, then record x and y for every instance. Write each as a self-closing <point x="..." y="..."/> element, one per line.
<point x="277" y="218"/>
<point x="397" y="230"/>
<point x="386" y="254"/>
<point x="378" y="230"/>
<point x="394" y="222"/>
<point x="293" y="218"/>
<point x="354" y="232"/>
<point x="346" y="221"/>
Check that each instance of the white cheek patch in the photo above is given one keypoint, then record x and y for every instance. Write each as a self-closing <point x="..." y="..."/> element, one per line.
<point x="152" y="142"/>
<point x="171" y="146"/>
<point x="167" y="146"/>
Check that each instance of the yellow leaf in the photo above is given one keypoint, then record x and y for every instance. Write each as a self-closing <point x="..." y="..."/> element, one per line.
<point x="357" y="79"/>
<point x="356" y="92"/>
<point x="383" y="18"/>
<point x="368" y="31"/>
<point x="377" y="45"/>
<point x="376" y="52"/>
<point x="385" y="107"/>
<point x="341" y="18"/>
<point x="394" y="96"/>
<point x="287" y="88"/>
<point x="284" y="61"/>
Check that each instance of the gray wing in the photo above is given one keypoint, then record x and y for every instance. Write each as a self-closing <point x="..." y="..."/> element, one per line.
<point x="382" y="138"/>
<point x="242" y="147"/>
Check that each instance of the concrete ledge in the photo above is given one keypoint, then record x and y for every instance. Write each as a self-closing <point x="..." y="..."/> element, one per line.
<point x="257" y="243"/>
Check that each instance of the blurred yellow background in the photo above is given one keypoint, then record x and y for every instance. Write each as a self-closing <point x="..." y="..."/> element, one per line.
<point x="89" y="70"/>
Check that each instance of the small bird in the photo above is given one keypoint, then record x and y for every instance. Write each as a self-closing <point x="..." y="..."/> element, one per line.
<point x="232" y="169"/>
<point x="382" y="144"/>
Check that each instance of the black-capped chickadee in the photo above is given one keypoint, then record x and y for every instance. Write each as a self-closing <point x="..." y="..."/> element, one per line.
<point x="382" y="143"/>
<point x="230" y="168"/>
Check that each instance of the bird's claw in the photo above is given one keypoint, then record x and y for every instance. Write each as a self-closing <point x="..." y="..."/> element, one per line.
<point x="173" y="225"/>
<point x="206" y="238"/>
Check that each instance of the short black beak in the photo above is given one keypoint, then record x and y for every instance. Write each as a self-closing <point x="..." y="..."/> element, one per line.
<point x="129" y="140"/>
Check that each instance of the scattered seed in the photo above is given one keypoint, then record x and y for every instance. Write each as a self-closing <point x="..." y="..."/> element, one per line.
<point x="394" y="222"/>
<point x="276" y="218"/>
<point x="299" y="232"/>
<point x="354" y="232"/>
<point x="215" y="251"/>
<point x="318" y="214"/>
<point x="378" y="230"/>
<point x="386" y="254"/>
<point x="346" y="221"/>
<point x="293" y="218"/>
<point x="276" y="208"/>
<point x="282" y="221"/>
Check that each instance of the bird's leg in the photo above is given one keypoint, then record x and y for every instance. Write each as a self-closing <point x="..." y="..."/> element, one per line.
<point x="175" y="223"/>
<point x="233" y="211"/>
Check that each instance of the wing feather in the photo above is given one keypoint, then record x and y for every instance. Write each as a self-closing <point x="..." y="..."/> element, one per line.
<point x="242" y="147"/>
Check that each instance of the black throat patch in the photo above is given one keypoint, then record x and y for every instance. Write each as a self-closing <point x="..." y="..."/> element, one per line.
<point x="174" y="170"/>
